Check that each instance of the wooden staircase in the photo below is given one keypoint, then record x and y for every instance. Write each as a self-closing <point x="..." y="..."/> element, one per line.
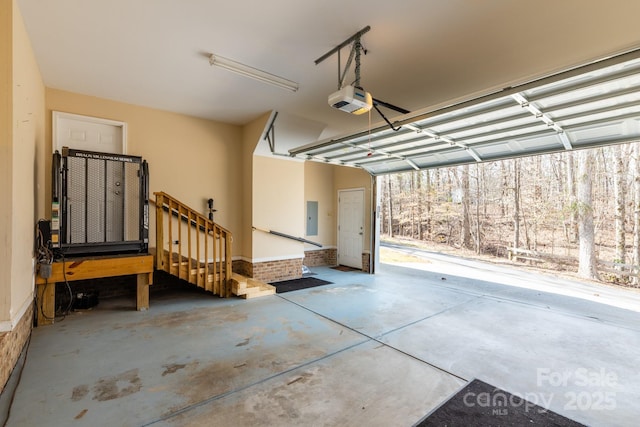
<point x="195" y="249"/>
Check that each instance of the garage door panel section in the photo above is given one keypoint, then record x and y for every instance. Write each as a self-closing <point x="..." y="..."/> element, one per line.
<point x="593" y="105"/>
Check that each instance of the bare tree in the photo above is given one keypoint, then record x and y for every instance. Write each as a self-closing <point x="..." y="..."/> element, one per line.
<point x="390" y="207"/>
<point x="419" y="202"/>
<point x="428" y="201"/>
<point x="619" y="190"/>
<point x="516" y="203"/>
<point x="572" y="235"/>
<point x="587" y="266"/>
<point x="478" y="231"/>
<point x="466" y="196"/>
<point x="636" y="210"/>
<point x="504" y="174"/>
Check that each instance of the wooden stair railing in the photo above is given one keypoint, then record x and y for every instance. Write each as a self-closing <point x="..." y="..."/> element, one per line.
<point x="192" y="247"/>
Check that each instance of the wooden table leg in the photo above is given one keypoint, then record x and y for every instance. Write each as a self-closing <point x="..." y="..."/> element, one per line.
<point x="142" y="299"/>
<point x="46" y="303"/>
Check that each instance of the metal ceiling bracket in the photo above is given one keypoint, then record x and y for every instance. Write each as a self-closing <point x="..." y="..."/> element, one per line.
<point x="538" y="114"/>
<point x="473" y="154"/>
<point x="412" y="163"/>
<point x="343" y="44"/>
<point x="565" y="141"/>
<point x="524" y="103"/>
<point x="270" y="134"/>
<point x="356" y="50"/>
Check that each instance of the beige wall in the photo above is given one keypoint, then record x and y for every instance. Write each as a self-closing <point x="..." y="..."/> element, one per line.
<point x="22" y="124"/>
<point x="21" y="175"/>
<point x="319" y="187"/>
<point x="322" y="183"/>
<point x="6" y="157"/>
<point x="278" y="205"/>
<point x="189" y="158"/>
<point x="251" y="136"/>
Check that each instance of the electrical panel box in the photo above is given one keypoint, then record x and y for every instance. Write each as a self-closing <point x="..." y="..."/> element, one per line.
<point x="100" y="203"/>
<point x="312" y="218"/>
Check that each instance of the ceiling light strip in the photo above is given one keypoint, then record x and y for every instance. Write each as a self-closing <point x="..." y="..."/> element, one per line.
<point x="254" y="73"/>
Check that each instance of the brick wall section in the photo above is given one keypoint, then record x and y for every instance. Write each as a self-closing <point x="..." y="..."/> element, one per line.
<point x="243" y="267"/>
<point x="12" y="343"/>
<point x="321" y="257"/>
<point x="270" y="271"/>
<point x="366" y="259"/>
<point x="276" y="271"/>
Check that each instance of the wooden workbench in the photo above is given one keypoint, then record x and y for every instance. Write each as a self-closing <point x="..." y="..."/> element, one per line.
<point x="71" y="269"/>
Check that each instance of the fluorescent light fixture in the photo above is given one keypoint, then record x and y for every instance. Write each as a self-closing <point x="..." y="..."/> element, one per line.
<point x="251" y="72"/>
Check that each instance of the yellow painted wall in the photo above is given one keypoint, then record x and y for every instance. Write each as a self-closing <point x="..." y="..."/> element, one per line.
<point x="28" y="135"/>
<point x="191" y="159"/>
<point x="278" y="205"/>
<point x="6" y="155"/>
<point x="252" y="133"/>
<point x="322" y="183"/>
<point x="319" y="187"/>
<point x="22" y="131"/>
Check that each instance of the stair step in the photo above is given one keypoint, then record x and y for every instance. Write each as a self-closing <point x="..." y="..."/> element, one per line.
<point x="260" y="291"/>
<point x="246" y="287"/>
<point x="241" y="286"/>
<point x="238" y="284"/>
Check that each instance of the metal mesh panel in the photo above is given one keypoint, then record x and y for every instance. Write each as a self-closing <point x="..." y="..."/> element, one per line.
<point x="76" y="200"/>
<point x="132" y="201"/>
<point x="114" y="200"/>
<point x="103" y="201"/>
<point x="95" y="199"/>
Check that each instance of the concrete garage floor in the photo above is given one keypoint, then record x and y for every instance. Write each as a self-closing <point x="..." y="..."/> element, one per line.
<point x="382" y="349"/>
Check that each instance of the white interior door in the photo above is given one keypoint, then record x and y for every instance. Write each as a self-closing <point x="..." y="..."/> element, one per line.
<point x="350" y="227"/>
<point x="88" y="133"/>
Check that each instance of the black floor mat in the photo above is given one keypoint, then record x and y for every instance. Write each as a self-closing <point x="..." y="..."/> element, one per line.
<point x="295" y="284"/>
<point x="481" y="404"/>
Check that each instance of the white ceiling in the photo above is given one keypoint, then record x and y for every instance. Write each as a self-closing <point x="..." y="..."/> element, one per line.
<point x="421" y="53"/>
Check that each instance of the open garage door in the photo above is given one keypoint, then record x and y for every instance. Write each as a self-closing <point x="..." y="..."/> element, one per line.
<point x="594" y="105"/>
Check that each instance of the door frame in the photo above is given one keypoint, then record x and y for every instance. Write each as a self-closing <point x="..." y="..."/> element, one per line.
<point x="59" y="115"/>
<point x="362" y="190"/>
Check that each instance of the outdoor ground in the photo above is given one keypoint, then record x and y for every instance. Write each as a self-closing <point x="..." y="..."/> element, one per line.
<point x="387" y="255"/>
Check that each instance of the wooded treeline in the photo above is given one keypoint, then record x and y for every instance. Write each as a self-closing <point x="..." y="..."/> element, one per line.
<point x="578" y="209"/>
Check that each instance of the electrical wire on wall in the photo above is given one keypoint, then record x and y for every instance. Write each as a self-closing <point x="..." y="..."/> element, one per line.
<point x="67" y="310"/>
<point x="44" y="255"/>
